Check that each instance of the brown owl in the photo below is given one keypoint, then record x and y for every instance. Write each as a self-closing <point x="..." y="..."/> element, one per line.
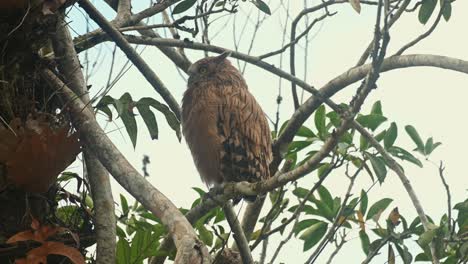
<point x="225" y="128"/>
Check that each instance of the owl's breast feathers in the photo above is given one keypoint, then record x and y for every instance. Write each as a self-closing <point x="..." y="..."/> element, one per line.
<point x="226" y="131"/>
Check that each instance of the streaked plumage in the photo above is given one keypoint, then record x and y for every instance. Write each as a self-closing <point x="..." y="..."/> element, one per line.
<point x="224" y="127"/>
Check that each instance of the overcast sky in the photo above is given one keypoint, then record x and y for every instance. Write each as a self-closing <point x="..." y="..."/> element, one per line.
<point x="432" y="100"/>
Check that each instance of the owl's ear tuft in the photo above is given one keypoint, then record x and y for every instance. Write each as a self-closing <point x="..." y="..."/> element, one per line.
<point x="223" y="56"/>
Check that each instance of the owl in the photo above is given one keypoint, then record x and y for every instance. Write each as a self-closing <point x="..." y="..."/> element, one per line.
<point x="223" y="125"/>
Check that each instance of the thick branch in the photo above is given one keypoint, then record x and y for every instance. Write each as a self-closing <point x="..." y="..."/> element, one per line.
<point x="190" y="248"/>
<point x="104" y="216"/>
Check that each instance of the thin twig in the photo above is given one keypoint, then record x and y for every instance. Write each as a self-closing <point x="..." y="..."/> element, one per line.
<point x="425" y="34"/>
<point x="338" y="247"/>
<point x="449" y="199"/>
<point x="238" y="233"/>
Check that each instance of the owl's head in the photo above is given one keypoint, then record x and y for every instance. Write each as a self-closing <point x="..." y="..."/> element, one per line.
<point x="209" y="67"/>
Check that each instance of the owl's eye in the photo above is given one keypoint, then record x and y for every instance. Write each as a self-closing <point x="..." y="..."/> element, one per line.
<point x="202" y="69"/>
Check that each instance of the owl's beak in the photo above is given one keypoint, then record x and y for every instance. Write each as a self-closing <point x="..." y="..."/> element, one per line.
<point x="223" y="56"/>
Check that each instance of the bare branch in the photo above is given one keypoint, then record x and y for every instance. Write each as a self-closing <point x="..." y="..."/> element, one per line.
<point x="338" y="247"/>
<point x="124" y="9"/>
<point x="151" y="11"/>
<point x="295" y="40"/>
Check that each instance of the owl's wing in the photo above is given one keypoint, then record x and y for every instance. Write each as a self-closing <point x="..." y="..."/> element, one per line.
<point x="246" y="143"/>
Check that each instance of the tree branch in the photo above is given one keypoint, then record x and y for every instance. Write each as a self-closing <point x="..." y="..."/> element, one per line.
<point x="134" y="57"/>
<point x="238" y="233"/>
<point x="393" y="165"/>
<point x="101" y="191"/>
<point x="190" y="248"/>
<point x="425" y="34"/>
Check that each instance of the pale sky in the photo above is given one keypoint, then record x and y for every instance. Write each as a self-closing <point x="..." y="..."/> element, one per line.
<point x="432" y="100"/>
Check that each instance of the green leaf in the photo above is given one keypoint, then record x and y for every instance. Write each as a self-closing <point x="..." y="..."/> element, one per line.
<point x="391" y="255"/>
<point x="371" y="121"/>
<point x="404" y="253"/>
<point x="323" y="169"/>
<point x="324" y="210"/>
<point x="306" y="209"/>
<point x="381" y="232"/>
<point x="300" y="192"/>
<point x="335" y="118"/>
<point x="262" y="6"/>
<point x="426" y="10"/>
<point x="120" y="232"/>
<point x="430" y="146"/>
<point x="171" y="118"/>
<point x="462" y="218"/>
<point x="415" y="137"/>
<point x="377" y="108"/>
<point x="319" y="119"/>
<point x="404" y="155"/>
<point x="200" y="191"/>
<point x="124" y="204"/>
<point x="313" y="235"/>
<point x="426" y="237"/>
<point x="305" y="132"/>
<point x="379" y="167"/>
<point x="363" y="143"/>
<point x="365" y="242"/>
<point x="149" y="119"/>
<point x="301" y="225"/>
<point x="364" y="201"/>
<point x="128" y="117"/>
<point x="422" y="257"/>
<point x="391" y="135"/>
<point x="447" y="13"/>
<point x="107" y="100"/>
<point x="106" y="110"/>
<point x="325" y="196"/>
<point x="183" y="6"/>
<point x="205" y="235"/>
<point x="380" y="136"/>
<point x="378" y="207"/>
<point x="123" y="252"/>
<point x="296" y="146"/>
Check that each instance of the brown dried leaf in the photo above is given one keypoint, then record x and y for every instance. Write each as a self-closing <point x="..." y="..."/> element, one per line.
<point x="361" y="221"/>
<point x="34" y="154"/>
<point x="21" y="236"/>
<point x="356" y="4"/>
<point x="39" y="233"/>
<point x="391" y="255"/>
<point x="394" y="217"/>
<point x="56" y="248"/>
